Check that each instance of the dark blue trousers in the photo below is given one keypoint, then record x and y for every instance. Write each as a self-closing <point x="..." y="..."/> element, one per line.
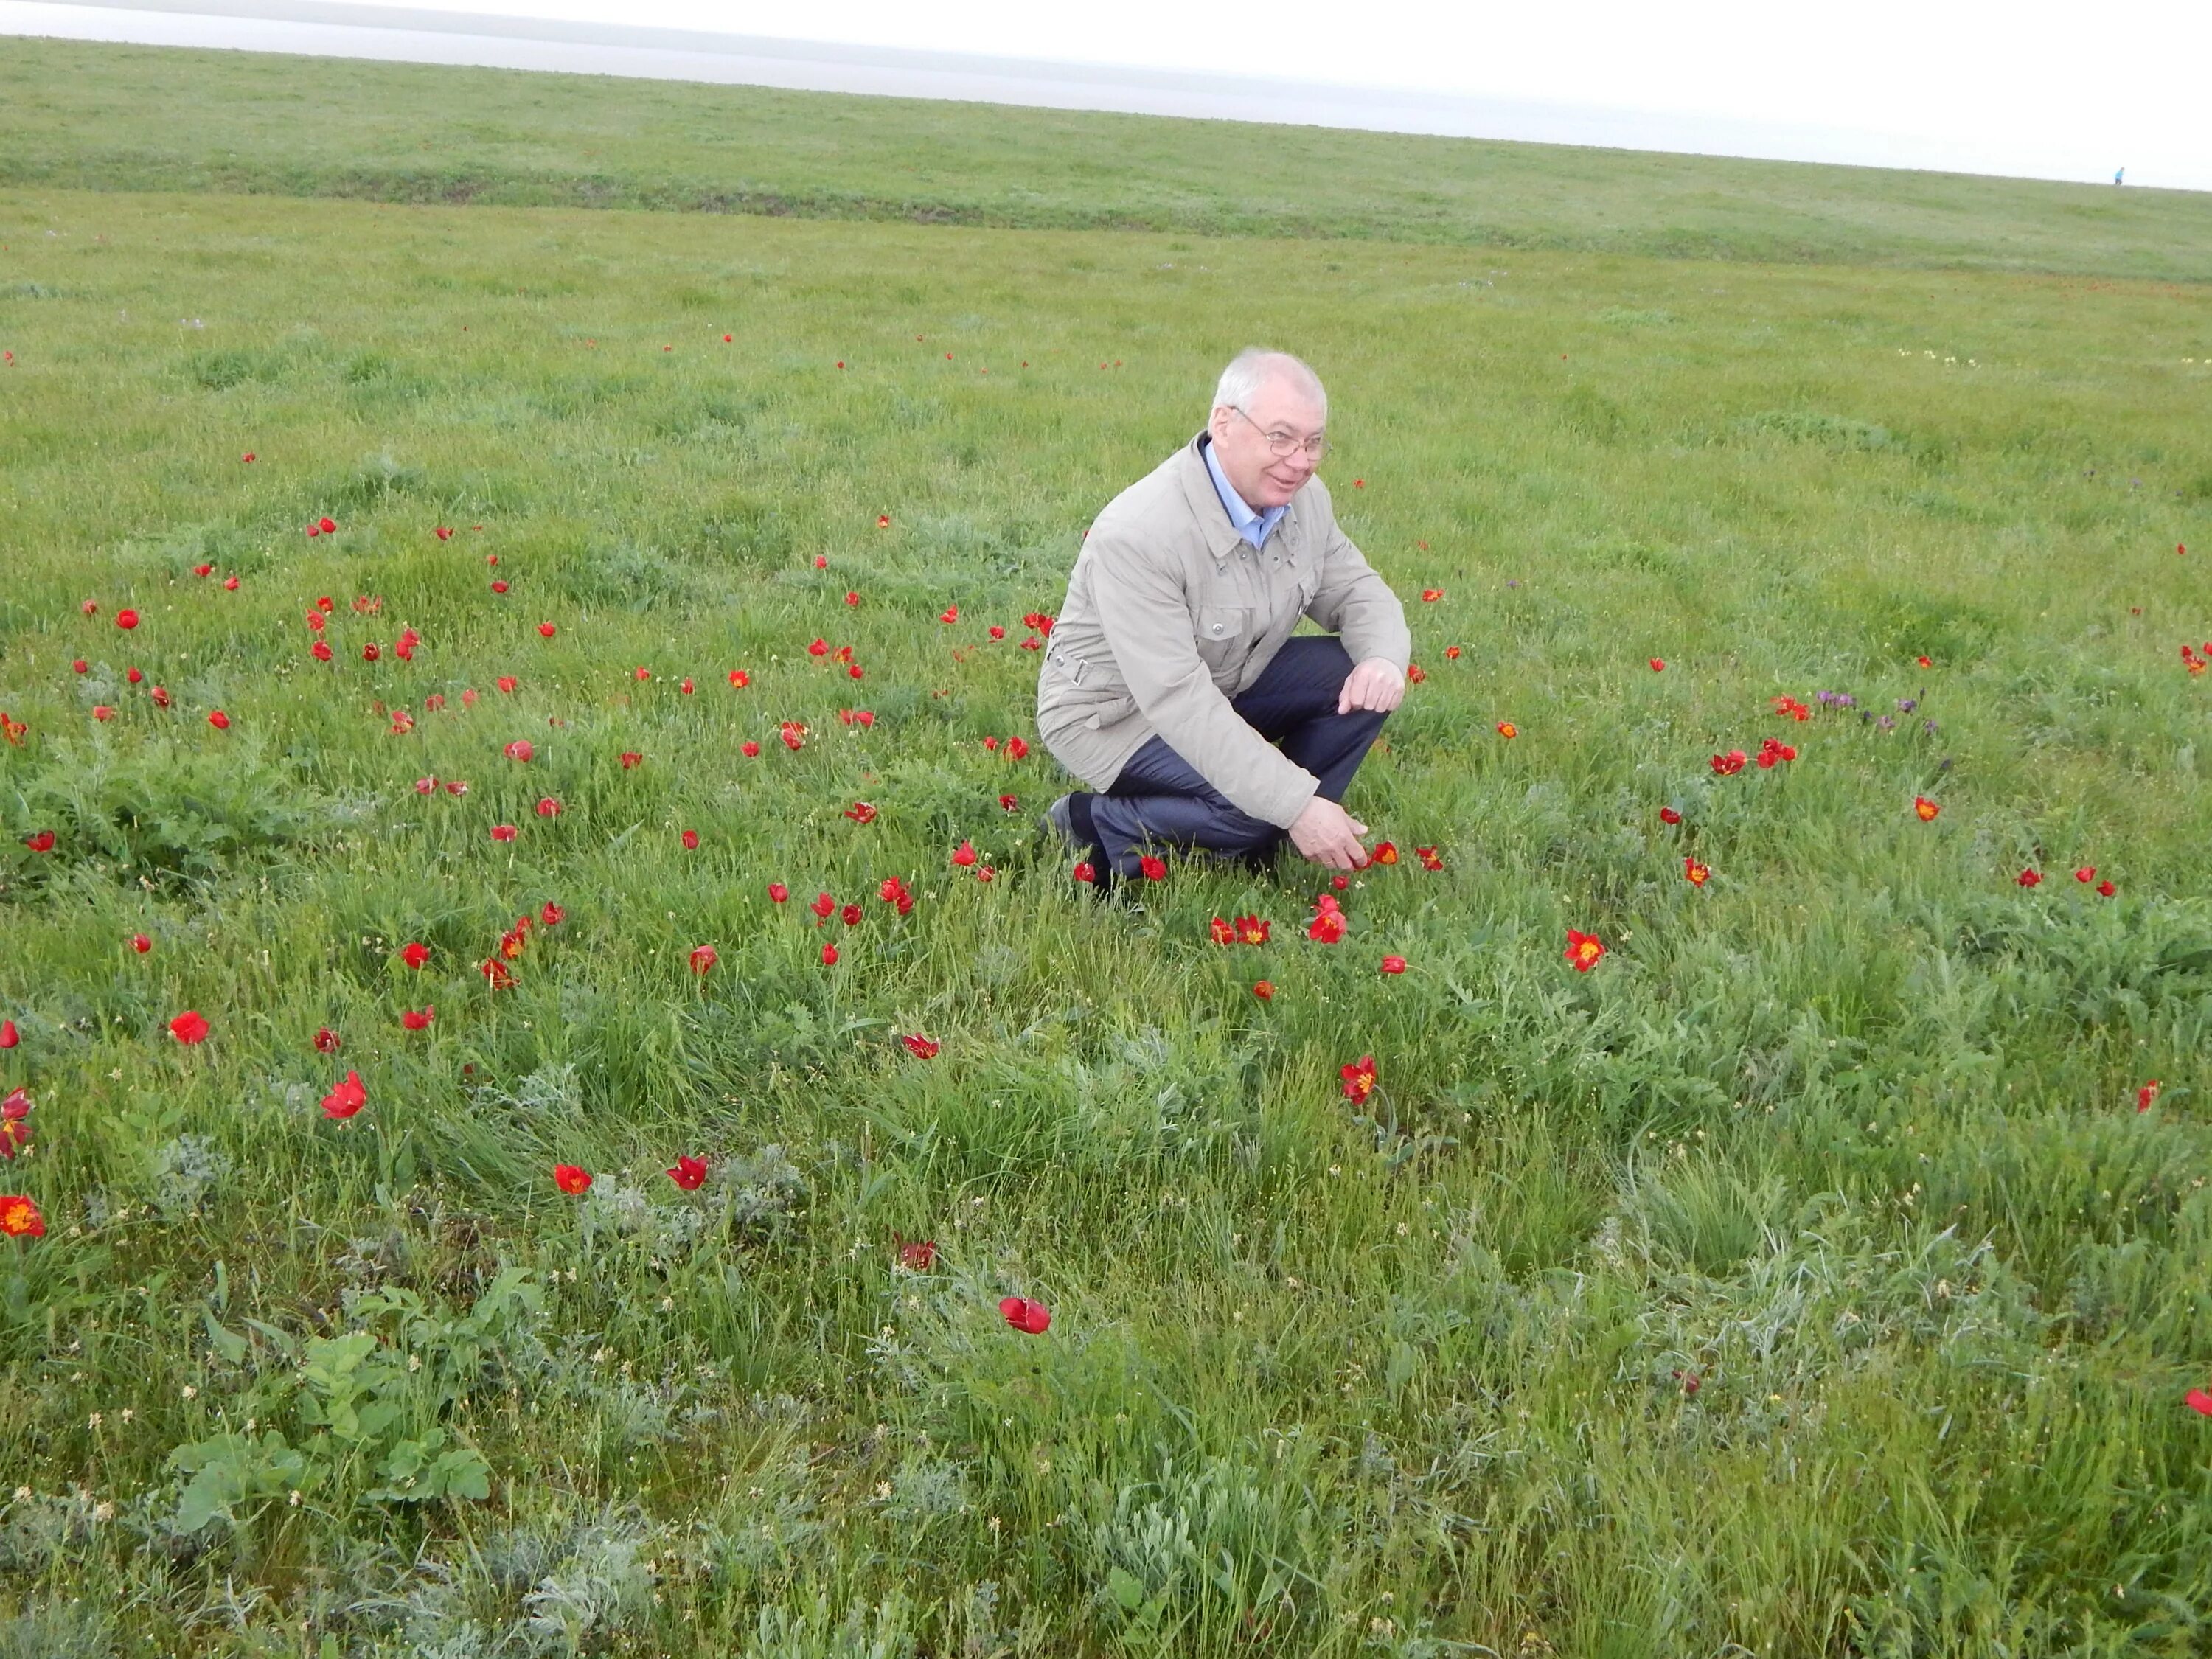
<point x="1160" y="803"/>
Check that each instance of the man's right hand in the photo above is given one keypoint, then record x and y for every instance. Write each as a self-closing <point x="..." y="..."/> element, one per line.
<point x="1329" y="834"/>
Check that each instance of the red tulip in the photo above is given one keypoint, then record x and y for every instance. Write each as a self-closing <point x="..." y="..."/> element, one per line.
<point x="1024" y="1314"/>
<point x="749" y="749"/>
<point x="81" y="666"/>
<point x="2106" y="889"/>
<point x="1926" y="808"/>
<point x="1394" y="964"/>
<point x="520" y="749"/>
<point x="347" y="1098"/>
<point x="1696" y="873"/>
<point x="2145" y="1095"/>
<point x="1264" y="990"/>
<point x="189" y="1027"/>
<point x="1668" y="815"/>
<point x="548" y="807"/>
<point x="778" y="892"/>
<point x="919" y="1047"/>
<point x="1386" y="852"/>
<point x="9" y="1036"/>
<point x="546" y="630"/>
<point x="1084" y="872"/>
<point x="1154" y="870"/>
<point x="964" y="855"/>
<point x="690" y="839"/>
<point x="1431" y="595"/>
<point x="739" y="678"/>
<point x="861" y="813"/>
<point x="916" y="1256"/>
<point x="1326" y="928"/>
<point x="1658" y="664"/>
<point x="1252" y="930"/>
<point x="2085" y="874"/>
<point x="507" y="682"/>
<point x="2196" y="1399"/>
<point x="327" y="1042"/>
<point x="829" y="955"/>
<point x="1583" y="949"/>
<point x="414" y="954"/>
<point x="571" y="1178"/>
<point x="126" y="619"/>
<point x="141" y="944"/>
<point x="1359" y="1078"/>
<point x="418" y="1019"/>
<point x="328" y="527"/>
<point x="703" y="957"/>
<point x="504" y="832"/>
<point x="1728" y="764"/>
<point x="443" y="532"/>
<point x="689" y="1172"/>
<point x="1223" y="933"/>
<point x="883" y="519"/>
<point x="2031" y="878"/>
<point x="498" y="976"/>
<point x="20" y="1217"/>
<point x="550" y="915"/>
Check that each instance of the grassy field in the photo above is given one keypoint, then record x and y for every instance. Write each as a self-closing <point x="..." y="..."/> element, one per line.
<point x="1813" y="1276"/>
<point x="103" y="117"/>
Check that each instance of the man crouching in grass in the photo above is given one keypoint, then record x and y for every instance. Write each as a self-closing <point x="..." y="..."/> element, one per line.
<point x="1171" y="684"/>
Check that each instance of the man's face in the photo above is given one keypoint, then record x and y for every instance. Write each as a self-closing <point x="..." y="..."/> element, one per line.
<point x="1262" y="478"/>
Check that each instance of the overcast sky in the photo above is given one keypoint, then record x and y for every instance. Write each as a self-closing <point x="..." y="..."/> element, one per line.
<point x="2028" y="87"/>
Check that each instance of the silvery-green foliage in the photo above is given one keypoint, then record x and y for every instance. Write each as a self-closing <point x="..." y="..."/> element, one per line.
<point x="186" y="1170"/>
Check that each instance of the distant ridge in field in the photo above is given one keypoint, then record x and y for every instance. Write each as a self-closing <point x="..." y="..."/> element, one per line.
<point x="93" y="115"/>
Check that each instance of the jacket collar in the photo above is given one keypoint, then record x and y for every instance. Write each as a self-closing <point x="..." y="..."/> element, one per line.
<point x="1221" y="537"/>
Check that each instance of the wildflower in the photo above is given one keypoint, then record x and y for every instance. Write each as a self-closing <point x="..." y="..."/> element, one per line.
<point x="1923" y="662"/>
<point x="546" y="630"/>
<point x="1696" y="873"/>
<point x="829" y="955"/>
<point x="20" y="1217"/>
<point x="2196" y="1399"/>
<point x="519" y="750"/>
<point x="1415" y="674"/>
<point x="571" y="1178"/>
<point x="414" y="954"/>
<point x="126" y="619"/>
<point x="327" y="1042"/>
<point x="1507" y="729"/>
<point x="794" y="735"/>
<point x="916" y="1256"/>
<point x="1431" y="860"/>
<point x="1394" y="964"/>
<point x="739" y="678"/>
<point x="1264" y="989"/>
<point x="883" y="519"/>
<point x="1326" y="928"/>
<point x="418" y="1019"/>
<point x="2030" y="878"/>
<point x="2085" y="874"/>
<point x="2145" y="1095"/>
<point x="1153" y="868"/>
<point x="1385" y="852"/>
<point x="1451" y="654"/>
<point x="40" y="840"/>
<point x="498" y="976"/>
<point x="218" y="720"/>
<point x="548" y="807"/>
<point x="1431" y="595"/>
<point x="504" y="832"/>
<point x="1024" y="1314"/>
<point x="1583" y="949"/>
<point x="1728" y="764"/>
<point x="1668" y="815"/>
<point x="1359" y="1078"/>
<point x="630" y="759"/>
<point x="349" y="1097"/>
<point x="2106" y="889"/>
<point x="189" y="1027"/>
<point x="550" y="915"/>
<point x="1926" y="808"/>
<point x="919" y="1047"/>
<point x="824" y="907"/>
<point x="703" y="959"/>
<point x="1009" y="803"/>
<point x="1223" y="933"/>
<point x="1252" y="930"/>
<point x="1082" y="872"/>
<point x="689" y="1172"/>
<point x="1658" y="664"/>
<point x="749" y="749"/>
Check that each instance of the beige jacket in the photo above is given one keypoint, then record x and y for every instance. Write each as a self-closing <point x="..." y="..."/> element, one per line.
<point x="1170" y="613"/>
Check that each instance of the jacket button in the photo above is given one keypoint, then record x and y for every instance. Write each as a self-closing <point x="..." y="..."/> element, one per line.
<point x="1217" y="627"/>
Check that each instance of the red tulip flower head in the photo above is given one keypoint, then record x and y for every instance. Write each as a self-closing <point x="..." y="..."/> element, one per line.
<point x="1583" y="949"/>
<point x="349" y="1097"/>
<point x="571" y="1178"/>
<point x="20" y="1217"/>
<point x="919" y="1047"/>
<point x="418" y="1019"/>
<point x="689" y="1172"/>
<point x="1359" y="1078"/>
<point x="1925" y="808"/>
<point x="414" y="954"/>
<point x="189" y="1027"/>
<point x="703" y="957"/>
<point x="1024" y="1314"/>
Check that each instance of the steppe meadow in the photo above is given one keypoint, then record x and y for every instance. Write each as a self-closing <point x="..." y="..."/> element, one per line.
<point x="480" y="554"/>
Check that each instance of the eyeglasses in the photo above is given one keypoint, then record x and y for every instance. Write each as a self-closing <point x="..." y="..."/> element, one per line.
<point x="1283" y="445"/>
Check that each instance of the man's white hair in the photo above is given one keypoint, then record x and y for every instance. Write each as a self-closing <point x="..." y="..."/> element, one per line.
<point x="1252" y="369"/>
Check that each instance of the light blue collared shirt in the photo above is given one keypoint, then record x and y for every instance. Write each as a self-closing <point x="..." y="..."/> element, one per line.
<point x="1254" y="528"/>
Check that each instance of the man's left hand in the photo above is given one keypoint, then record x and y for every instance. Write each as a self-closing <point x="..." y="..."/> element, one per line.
<point x="1375" y="684"/>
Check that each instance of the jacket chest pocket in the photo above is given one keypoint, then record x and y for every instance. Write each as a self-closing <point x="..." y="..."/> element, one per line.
<point x="1225" y="633"/>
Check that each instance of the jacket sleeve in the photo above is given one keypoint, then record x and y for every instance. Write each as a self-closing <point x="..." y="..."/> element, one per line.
<point x="1145" y="614"/>
<point x="1356" y="604"/>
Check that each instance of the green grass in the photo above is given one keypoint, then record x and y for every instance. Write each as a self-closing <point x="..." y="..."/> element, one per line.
<point x="122" y="117"/>
<point x="1849" y="1137"/>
